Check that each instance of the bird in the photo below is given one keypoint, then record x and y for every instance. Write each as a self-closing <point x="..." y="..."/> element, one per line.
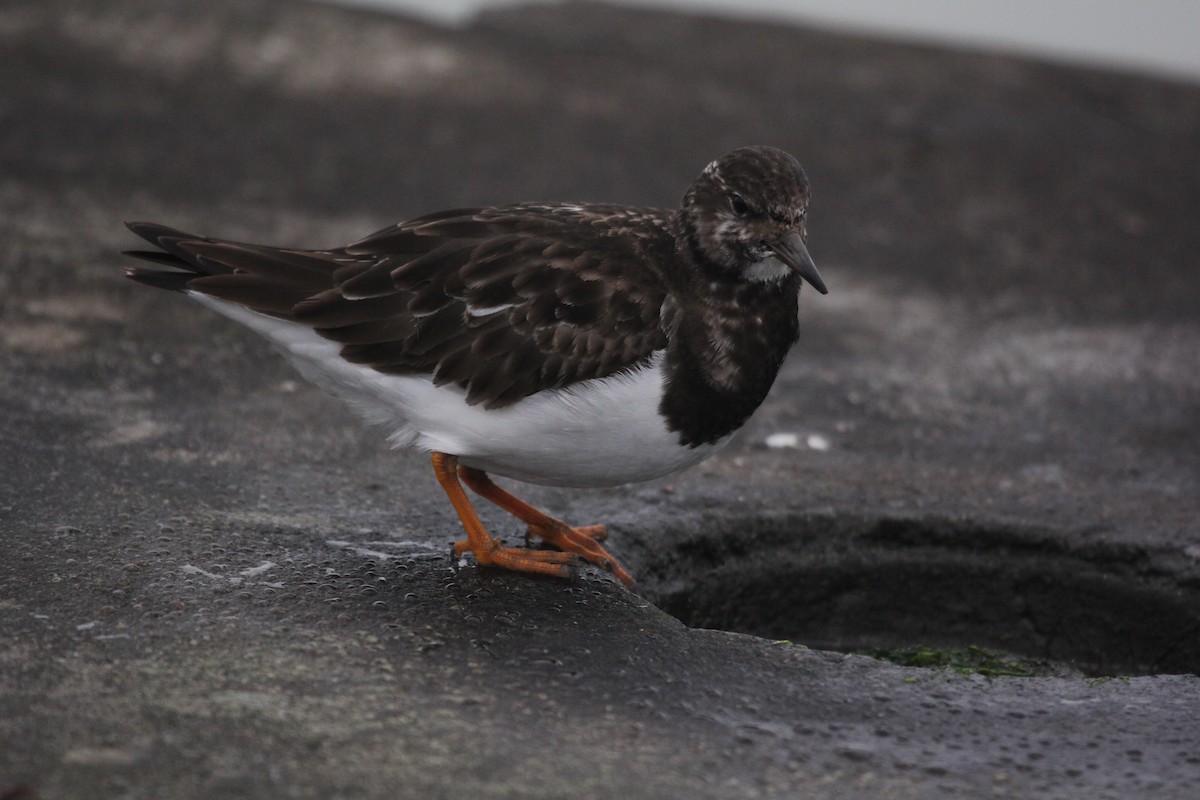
<point x="559" y="344"/>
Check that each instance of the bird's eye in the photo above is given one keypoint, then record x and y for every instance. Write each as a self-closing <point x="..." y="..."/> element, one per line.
<point x="739" y="205"/>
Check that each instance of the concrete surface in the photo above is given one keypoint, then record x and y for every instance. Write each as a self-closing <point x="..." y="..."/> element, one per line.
<point x="215" y="582"/>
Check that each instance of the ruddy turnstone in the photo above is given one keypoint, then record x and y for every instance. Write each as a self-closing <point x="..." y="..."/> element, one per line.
<point x="555" y="343"/>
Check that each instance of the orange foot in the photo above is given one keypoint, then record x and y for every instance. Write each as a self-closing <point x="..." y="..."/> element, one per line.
<point x="572" y="544"/>
<point x="546" y="562"/>
<point x="581" y="541"/>
<point x="597" y="533"/>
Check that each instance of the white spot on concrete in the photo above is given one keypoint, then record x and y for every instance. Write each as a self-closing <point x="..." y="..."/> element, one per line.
<point x="189" y="569"/>
<point x="250" y="572"/>
<point x="367" y="549"/>
<point x="134" y="432"/>
<point x="782" y="441"/>
<point x="817" y="442"/>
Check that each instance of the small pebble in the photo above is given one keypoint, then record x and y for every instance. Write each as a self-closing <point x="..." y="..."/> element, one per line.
<point x="781" y="441"/>
<point x="817" y="442"/>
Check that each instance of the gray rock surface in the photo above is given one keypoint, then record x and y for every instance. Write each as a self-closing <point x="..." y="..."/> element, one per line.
<point x="215" y="583"/>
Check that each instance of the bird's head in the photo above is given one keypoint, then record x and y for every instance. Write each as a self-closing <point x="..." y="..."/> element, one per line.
<point x="746" y="214"/>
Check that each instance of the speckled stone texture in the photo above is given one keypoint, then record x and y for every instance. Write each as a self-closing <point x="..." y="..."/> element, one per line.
<point x="215" y="583"/>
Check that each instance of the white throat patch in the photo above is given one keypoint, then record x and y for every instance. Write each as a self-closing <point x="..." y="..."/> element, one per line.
<point x="767" y="270"/>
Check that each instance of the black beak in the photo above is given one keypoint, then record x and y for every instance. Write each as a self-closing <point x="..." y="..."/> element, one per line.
<point x="791" y="250"/>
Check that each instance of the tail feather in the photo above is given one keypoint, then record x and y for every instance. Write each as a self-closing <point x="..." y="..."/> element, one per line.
<point x="263" y="279"/>
<point x="183" y="268"/>
<point x="157" y="256"/>
<point x="287" y="267"/>
<point x="259" y="294"/>
<point x="165" y="238"/>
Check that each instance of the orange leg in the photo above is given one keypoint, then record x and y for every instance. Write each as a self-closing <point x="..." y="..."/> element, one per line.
<point x="555" y="532"/>
<point x="487" y="550"/>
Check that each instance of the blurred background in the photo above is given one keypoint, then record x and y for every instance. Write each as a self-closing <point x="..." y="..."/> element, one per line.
<point x="1158" y="36"/>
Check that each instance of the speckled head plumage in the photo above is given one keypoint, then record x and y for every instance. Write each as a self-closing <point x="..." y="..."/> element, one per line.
<point x="746" y="213"/>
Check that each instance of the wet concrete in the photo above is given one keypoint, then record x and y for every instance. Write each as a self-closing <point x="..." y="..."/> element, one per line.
<point x="215" y="582"/>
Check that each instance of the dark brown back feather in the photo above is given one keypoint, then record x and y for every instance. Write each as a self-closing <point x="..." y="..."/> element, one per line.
<point x="503" y="302"/>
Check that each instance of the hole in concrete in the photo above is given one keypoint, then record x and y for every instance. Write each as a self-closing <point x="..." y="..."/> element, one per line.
<point x="854" y="584"/>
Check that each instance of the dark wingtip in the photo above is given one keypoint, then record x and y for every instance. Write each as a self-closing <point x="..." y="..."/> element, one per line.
<point x="178" y="270"/>
<point x="151" y="231"/>
<point x="156" y="256"/>
<point x="162" y="236"/>
<point x="173" y="280"/>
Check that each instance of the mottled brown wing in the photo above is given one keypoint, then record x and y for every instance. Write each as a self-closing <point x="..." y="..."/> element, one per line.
<point x="503" y="302"/>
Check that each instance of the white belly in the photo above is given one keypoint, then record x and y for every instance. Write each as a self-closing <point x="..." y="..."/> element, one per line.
<point x="601" y="432"/>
